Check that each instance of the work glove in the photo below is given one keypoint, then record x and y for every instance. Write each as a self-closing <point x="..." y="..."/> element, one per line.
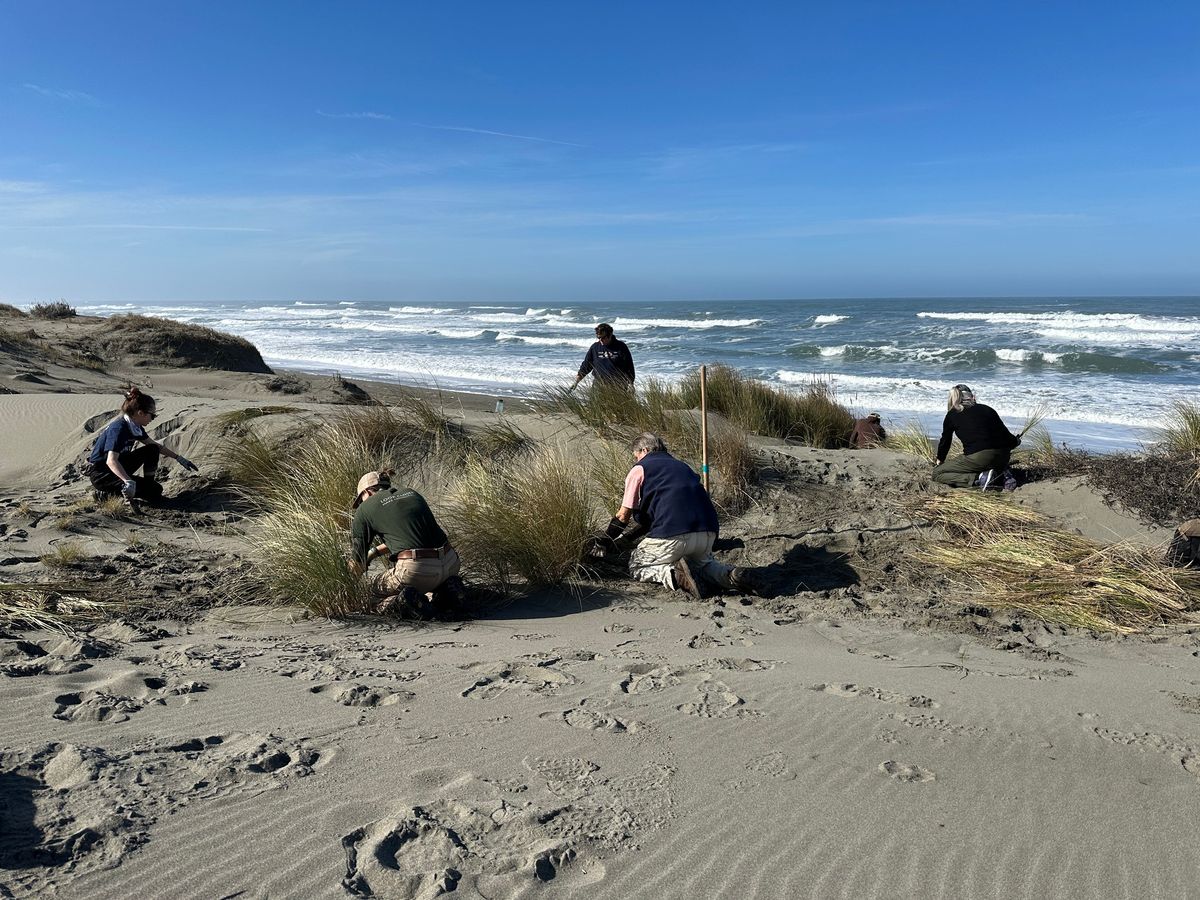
<point x="129" y="489"/>
<point x="187" y="463"/>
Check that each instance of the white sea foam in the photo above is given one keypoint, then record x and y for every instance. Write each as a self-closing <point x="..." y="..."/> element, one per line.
<point x="501" y="318"/>
<point x="427" y="310"/>
<point x="1081" y="326"/>
<point x="636" y="324"/>
<point x="829" y="320"/>
<point x="546" y="341"/>
<point x="834" y="351"/>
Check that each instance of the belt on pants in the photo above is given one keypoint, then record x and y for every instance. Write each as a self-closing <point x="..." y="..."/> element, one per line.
<point x="422" y="553"/>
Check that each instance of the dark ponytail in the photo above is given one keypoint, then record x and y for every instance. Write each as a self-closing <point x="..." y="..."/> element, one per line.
<point x="137" y="402"/>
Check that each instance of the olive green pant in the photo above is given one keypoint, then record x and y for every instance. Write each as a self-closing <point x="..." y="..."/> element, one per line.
<point x="961" y="471"/>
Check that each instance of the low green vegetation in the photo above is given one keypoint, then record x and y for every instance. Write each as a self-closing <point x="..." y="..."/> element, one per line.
<point x="1010" y="557"/>
<point x="1181" y="436"/>
<point x="524" y="524"/>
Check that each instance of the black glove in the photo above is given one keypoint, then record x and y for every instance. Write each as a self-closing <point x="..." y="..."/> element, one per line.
<point x="186" y="463"/>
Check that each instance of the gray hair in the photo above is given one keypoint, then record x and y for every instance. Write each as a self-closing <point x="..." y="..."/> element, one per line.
<point x="651" y="443"/>
<point x="960" y="396"/>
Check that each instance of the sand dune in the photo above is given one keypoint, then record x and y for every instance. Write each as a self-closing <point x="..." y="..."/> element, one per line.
<point x="859" y="735"/>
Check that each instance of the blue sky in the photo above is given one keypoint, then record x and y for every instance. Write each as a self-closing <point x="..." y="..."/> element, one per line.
<point x="597" y="151"/>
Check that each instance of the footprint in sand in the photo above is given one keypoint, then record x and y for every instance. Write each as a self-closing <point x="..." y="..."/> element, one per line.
<point x="500" y="678"/>
<point x="773" y="764"/>
<point x="906" y="772"/>
<point x="854" y="691"/>
<point x="362" y="695"/>
<point x="120" y="698"/>
<point x="718" y="701"/>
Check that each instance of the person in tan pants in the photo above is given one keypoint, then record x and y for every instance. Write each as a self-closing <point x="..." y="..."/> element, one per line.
<point x="398" y="523"/>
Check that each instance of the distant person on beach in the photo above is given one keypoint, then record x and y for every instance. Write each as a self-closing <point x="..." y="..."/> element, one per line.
<point x="868" y="432"/>
<point x="398" y="524"/>
<point x="681" y="524"/>
<point x="115" y="460"/>
<point x="608" y="359"/>
<point x="987" y="443"/>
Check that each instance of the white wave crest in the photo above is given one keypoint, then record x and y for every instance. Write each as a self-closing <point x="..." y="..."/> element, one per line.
<point x="546" y="341"/>
<point x="427" y="310"/>
<point x="829" y="320"/>
<point x="637" y="324"/>
<point x="834" y="351"/>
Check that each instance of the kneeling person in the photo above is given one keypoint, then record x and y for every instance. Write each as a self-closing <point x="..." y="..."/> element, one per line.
<point x="682" y="523"/>
<point x="398" y="523"/>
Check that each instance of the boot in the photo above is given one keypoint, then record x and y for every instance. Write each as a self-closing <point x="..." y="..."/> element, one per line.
<point x="745" y="581"/>
<point x="683" y="579"/>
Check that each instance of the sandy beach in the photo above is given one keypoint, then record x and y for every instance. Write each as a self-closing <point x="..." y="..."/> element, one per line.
<point x="867" y="731"/>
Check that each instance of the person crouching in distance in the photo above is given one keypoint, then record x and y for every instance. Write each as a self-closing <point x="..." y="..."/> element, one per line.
<point x="987" y="444"/>
<point x="116" y="459"/>
<point x="398" y="524"/>
<point x="682" y="524"/>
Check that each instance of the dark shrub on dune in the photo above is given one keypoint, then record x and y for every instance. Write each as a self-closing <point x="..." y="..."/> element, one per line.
<point x="59" y="309"/>
<point x="166" y="342"/>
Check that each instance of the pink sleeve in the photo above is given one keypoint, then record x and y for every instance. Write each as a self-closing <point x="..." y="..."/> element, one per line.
<point x="633" y="488"/>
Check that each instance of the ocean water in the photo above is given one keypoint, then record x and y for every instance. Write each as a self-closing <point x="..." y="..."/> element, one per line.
<point x="1108" y="369"/>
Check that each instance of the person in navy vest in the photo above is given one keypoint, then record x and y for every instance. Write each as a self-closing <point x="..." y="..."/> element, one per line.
<point x="673" y="505"/>
<point x="608" y="360"/>
<point x="115" y="459"/>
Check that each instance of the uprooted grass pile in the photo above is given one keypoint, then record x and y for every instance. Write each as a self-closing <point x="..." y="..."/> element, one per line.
<point x="1017" y="559"/>
<point x="51" y="606"/>
<point x="517" y="511"/>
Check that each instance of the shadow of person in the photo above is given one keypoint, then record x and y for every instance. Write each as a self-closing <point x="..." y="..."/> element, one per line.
<point x="806" y="569"/>
<point x="20" y="838"/>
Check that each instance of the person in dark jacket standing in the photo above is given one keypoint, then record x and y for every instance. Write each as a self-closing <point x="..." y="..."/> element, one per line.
<point x="987" y="442"/>
<point x="682" y="524"/>
<point x="608" y="359"/>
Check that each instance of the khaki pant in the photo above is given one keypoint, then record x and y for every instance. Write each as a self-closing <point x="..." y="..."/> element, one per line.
<point x="424" y="575"/>
<point x="652" y="559"/>
<point x="961" y="471"/>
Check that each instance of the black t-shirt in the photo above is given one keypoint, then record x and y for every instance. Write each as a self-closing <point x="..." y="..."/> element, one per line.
<point x="400" y="518"/>
<point x="978" y="427"/>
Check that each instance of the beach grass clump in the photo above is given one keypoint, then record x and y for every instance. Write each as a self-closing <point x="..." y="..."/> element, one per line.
<point x="1181" y="435"/>
<point x="59" y="309"/>
<point x="8" y="311"/>
<point x="63" y="556"/>
<point x="501" y="441"/>
<point x="524" y="525"/>
<point x="1017" y="559"/>
<point x="911" y="438"/>
<point x="811" y="416"/>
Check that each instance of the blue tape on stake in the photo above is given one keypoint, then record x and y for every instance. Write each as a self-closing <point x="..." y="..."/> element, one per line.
<point x="703" y="468"/>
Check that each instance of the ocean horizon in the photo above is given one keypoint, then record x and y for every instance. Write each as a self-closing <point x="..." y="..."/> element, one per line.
<point x="1107" y="369"/>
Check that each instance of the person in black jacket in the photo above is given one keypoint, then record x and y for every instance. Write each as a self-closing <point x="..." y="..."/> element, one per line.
<point x="608" y="359"/>
<point x="987" y="442"/>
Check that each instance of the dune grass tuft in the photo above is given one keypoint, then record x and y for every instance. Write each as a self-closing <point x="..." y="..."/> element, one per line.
<point x="522" y="525"/>
<point x="911" y="438"/>
<point x="63" y="556"/>
<point x="1181" y="435"/>
<point x="1019" y="560"/>
<point x="59" y="309"/>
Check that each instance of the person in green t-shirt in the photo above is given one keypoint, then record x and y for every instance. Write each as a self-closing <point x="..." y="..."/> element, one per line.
<point x="398" y="524"/>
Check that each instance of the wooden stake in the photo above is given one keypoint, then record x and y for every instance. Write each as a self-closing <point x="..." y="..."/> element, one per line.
<point x="703" y="428"/>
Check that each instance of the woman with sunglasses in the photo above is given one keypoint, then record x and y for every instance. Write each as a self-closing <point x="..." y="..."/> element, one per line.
<point x="115" y="459"/>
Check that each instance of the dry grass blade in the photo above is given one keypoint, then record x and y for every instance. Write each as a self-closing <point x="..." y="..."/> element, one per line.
<point x="911" y="438"/>
<point x="52" y="606"/>
<point x="1019" y="560"/>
